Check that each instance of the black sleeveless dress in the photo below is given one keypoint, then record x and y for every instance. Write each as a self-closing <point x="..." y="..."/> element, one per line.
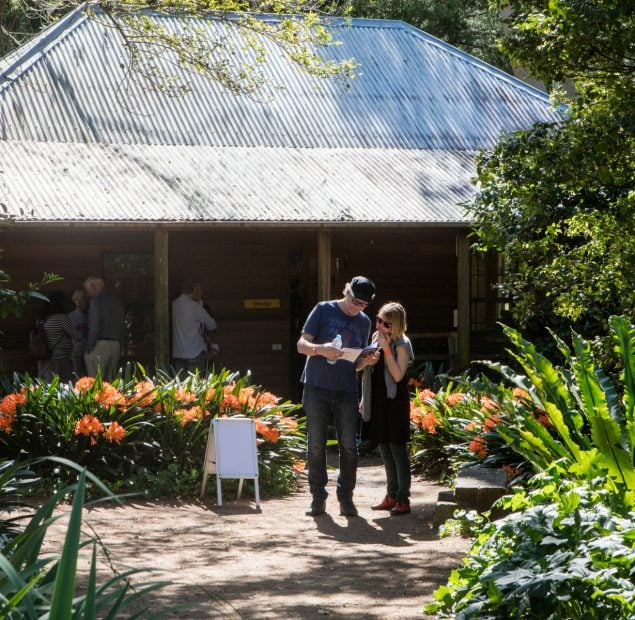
<point x="390" y="417"/>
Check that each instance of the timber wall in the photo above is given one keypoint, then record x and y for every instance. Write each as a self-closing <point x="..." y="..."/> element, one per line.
<point x="264" y="267"/>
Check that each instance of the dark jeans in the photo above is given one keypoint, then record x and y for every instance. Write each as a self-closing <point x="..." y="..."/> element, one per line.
<point x="192" y="364"/>
<point x="397" y="465"/>
<point x="321" y="407"/>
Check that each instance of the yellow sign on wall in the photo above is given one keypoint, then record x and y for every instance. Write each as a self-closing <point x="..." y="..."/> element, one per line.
<point x="261" y="303"/>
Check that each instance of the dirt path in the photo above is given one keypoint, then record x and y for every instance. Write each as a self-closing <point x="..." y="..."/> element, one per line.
<point x="237" y="562"/>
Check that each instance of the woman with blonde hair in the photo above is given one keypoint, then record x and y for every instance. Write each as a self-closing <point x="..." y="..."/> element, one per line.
<point x="386" y="405"/>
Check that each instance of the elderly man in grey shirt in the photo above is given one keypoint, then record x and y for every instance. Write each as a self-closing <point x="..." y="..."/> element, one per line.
<point x="105" y="337"/>
<point x="189" y="322"/>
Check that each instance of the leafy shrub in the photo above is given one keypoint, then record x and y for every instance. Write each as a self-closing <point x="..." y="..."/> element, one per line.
<point x="574" y="414"/>
<point x="570" y="551"/>
<point x="571" y="557"/>
<point x="435" y="431"/>
<point x="590" y="425"/>
<point x="458" y="427"/>
<point x="147" y="434"/>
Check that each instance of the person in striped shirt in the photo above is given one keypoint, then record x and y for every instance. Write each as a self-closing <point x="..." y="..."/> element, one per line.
<point x="60" y="336"/>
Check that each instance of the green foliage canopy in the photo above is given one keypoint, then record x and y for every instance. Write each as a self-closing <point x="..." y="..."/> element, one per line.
<point x="558" y="201"/>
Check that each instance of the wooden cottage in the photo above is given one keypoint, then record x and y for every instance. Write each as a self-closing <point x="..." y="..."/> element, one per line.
<point x="272" y="202"/>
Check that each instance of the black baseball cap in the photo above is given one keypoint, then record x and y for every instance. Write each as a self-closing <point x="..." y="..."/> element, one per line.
<point x="363" y="288"/>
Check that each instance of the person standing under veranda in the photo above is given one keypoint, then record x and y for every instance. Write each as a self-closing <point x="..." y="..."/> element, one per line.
<point x="105" y="337"/>
<point x="61" y="337"/>
<point x="330" y="389"/>
<point x="386" y="405"/>
<point x="190" y="320"/>
<point x="79" y="318"/>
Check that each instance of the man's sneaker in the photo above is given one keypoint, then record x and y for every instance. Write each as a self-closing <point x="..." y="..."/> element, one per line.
<point x="401" y="508"/>
<point x="317" y="507"/>
<point x="347" y="508"/>
<point x="386" y="504"/>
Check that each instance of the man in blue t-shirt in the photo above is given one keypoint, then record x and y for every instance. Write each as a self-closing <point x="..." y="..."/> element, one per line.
<point x="330" y="389"/>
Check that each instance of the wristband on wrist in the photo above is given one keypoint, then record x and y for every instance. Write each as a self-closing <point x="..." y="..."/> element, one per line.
<point x="387" y="352"/>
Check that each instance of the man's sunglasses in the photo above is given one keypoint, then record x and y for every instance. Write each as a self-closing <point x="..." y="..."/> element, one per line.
<point x="382" y="322"/>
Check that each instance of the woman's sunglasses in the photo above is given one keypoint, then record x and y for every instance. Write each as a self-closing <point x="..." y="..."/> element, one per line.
<point x="382" y="322"/>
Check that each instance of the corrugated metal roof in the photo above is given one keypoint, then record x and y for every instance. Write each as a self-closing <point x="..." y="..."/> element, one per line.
<point x="329" y="152"/>
<point x="74" y="182"/>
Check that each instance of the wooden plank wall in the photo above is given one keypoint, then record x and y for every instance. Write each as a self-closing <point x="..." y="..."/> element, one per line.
<point x="74" y="253"/>
<point x="416" y="267"/>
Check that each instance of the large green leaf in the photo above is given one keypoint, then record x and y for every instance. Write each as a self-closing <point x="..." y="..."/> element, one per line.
<point x="553" y="391"/>
<point x="63" y="593"/>
<point x="605" y="431"/>
<point x="624" y="335"/>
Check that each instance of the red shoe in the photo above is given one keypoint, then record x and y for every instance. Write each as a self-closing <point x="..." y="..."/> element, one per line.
<point x="386" y="504"/>
<point x="400" y="508"/>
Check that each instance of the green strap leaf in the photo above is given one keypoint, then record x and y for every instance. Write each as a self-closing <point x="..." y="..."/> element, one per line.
<point x="605" y="431"/>
<point x="624" y="336"/>
<point x="63" y="593"/>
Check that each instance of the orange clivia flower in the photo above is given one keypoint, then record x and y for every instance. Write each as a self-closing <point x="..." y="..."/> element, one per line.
<point x="189" y="415"/>
<point x="298" y="466"/>
<point x="88" y="425"/>
<point x="247" y="396"/>
<point x="6" y="422"/>
<point x="424" y="417"/>
<point x="9" y="404"/>
<point x="471" y="426"/>
<point x="114" y="432"/>
<point x="426" y="394"/>
<point x="230" y="401"/>
<point x="429" y="422"/>
<point x="263" y="429"/>
<point x="145" y="393"/>
<point x="209" y="395"/>
<point x="454" y="399"/>
<point x="261" y="426"/>
<point x="490" y="423"/>
<point x="414" y="382"/>
<point x="488" y="404"/>
<point x="84" y="384"/>
<point x="290" y="423"/>
<point x="184" y="396"/>
<point x="272" y="435"/>
<point x="520" y="395"/>
<point x="109" y="396"/>
<point x="478" y="446"/>
<point x="267" y="398"/>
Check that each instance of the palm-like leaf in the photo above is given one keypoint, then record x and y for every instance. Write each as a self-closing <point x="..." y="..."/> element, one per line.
<point x="624" y="336"/>
<point x="605" y="431"/>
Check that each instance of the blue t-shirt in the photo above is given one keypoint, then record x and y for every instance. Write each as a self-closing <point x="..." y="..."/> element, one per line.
<point x="324" y="323"/>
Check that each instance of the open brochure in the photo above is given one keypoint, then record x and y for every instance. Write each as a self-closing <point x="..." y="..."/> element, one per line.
<point x="353" y="355"/>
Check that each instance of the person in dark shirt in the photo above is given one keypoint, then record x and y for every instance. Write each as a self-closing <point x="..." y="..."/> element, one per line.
<point x="330" y="389"/>
<point x="105" y="337"/>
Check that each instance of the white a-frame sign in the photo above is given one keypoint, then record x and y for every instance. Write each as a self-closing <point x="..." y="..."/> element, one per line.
<point x="231" y="452"/>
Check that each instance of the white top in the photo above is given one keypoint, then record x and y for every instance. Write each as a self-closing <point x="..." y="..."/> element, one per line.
<point x="189" y="321"/>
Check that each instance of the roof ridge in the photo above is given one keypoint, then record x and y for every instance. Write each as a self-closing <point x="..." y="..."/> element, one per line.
<point x="26" y="55"/>
<point x="474" y="60"/>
